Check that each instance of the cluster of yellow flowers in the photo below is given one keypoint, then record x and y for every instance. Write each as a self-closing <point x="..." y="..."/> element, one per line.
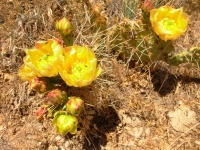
<point x="49" y="61"/>
<point x="77" y="65"/>
<point x="168" y="23"/>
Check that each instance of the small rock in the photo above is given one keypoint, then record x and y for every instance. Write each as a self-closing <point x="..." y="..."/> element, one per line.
<point x="119" y="131"/>
<point x="135" y="132"/>
<point x="67" y="144"/>
<point x="120" y="125"/>
<point x="9" y="123"/>
<point x="59" y="138"/>
<point x="2" y="128"/>
<point x="197" y="142"/>
<point x="147" y="132"/>
<point x="53" y="147"/>
<point x="142" y="91"/>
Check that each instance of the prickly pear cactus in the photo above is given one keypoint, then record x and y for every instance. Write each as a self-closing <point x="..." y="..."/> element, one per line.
<point x="140" y="42"/>
<point x="135" y="39"/>
<point x="191" y="56"/>
<point x="150" y="48"/>
<point x="121" y="39"/>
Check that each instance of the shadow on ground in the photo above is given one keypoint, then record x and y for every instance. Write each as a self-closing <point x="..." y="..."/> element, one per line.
<point x="188" y="79"/>
<point x="163" y="81"/>
<point x="104" y="121"/>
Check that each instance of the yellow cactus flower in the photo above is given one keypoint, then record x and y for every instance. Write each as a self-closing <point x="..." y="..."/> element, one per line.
<point x="42" y="60"/>
<point x="79" y="66"/>
<point x="25" y="73"/>
<point x="168" y="23"/>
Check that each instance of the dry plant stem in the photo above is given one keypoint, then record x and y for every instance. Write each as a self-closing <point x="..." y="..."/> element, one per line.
<point x="171" y="145"/>
<point x="21" y="97"/>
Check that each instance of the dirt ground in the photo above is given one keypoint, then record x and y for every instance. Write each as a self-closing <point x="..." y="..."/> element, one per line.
<point x="129" y="107"/>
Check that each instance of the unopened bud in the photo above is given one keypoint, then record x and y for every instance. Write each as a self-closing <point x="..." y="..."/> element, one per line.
<point x="57" y="96"/>
<point x="38" y="84"/>
<point x="59" y="41"/>
<point x="147" y="6"/>
<point x="75" y="105"/>
<point x="64" y="27"/>
<point x="40" y="112"/>
<point x="65" y="123"/>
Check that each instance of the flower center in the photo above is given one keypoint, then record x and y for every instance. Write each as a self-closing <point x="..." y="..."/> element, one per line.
<point x="78" y="70"/>
<point x="43" y="61"/>
<point x="44" y="57"/>
<point x="168" y="24"/>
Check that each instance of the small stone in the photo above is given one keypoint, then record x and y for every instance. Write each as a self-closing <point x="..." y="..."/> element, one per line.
<point x="9" y="123"/>
<point x="67" y="144"/>
<point x="197" y="142"/>
<point x="2" y="128"/>
<point x="59" y="138"/>
<point x="53" y="147"/>
<point x="119" y="131"/>
<point x="142" y="91"/>
<point x="147" y="132"/>
<point x="120" y="125"/>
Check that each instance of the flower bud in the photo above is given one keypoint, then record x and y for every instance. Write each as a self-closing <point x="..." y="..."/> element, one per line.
<point x="57" y="96"/>
<point x="75" y="105"/>
<point x="64" y="27"/>
<point x="65" y="123"/>
<point x="147" y="6"/>
<point x="58" y="40"/>
<point x="40" y="112"/>
<point x="38" y="84"/>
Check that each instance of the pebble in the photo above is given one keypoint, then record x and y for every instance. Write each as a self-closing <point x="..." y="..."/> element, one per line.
<point x="67" y="144"/>
<point x="59" y="138"/>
